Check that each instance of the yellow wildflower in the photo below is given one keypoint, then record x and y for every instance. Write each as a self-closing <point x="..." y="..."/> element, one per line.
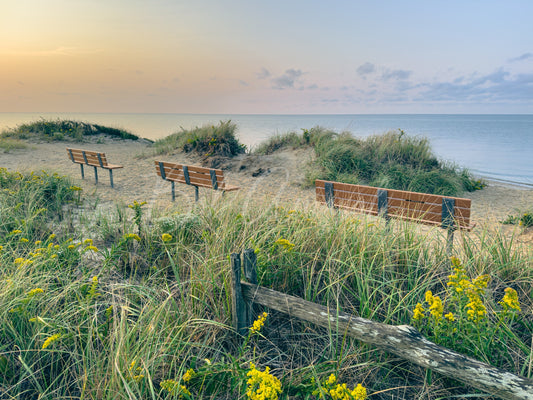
<point x="258" y="323"/>
<point x="33" y="292"/>
<point x="51" y="340"/>
<point x="132" y="236"/>
<point x="510" y="300"/>
<point x="166" y="237"/>
<point x="91" y="248"/>
<point x="418" y="312"/>
<point x="188" y="375"/>
<point x="450" y="317"/>
<point x="285" y="244"/>
<point x="262" y="385"/>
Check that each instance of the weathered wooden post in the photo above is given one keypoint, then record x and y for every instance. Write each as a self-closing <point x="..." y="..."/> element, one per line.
<point x="238" y="306"/>
<point x="250" y="272"/>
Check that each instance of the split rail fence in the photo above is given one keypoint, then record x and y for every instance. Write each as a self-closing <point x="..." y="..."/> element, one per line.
<point x="403" y="340"/>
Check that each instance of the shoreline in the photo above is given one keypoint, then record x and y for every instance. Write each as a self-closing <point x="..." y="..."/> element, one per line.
<point x="276" y="177"/>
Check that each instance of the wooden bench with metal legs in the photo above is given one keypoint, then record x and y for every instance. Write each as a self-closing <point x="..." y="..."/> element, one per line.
<point x="94" y="159"/>
<point x="450" y="213"/>
<point x="192" y="175"/>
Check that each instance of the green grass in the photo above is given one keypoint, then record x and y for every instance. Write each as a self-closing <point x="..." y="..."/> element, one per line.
<point x="55" y="130"/>
<point x="138" y="296"/>
<point x="9" y="145"/>
<point x="205" y="141"/>
<point x="393" y="160"/>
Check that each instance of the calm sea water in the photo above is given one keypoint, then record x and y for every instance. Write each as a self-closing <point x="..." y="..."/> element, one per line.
<point x="497" y="147"/>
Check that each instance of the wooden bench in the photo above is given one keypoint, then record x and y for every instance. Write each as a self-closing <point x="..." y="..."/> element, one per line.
<point x="93" y="159"/>
<point x="450" y="213"/>
<point x="192" y="175"/>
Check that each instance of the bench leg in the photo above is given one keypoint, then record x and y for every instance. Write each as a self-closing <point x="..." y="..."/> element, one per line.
<point x="173" y="191"/>
<point x="95" y="175"/>
<point x="449" y="242"/>
<point x="82" y="173"/>
<point x="196" y="194"/>
<point x="111" y="177"/>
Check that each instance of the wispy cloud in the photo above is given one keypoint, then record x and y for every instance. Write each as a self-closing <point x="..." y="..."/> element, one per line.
<point x="523" y="57"/>
<point x="287" y="80"/>
<point x="263" y="74"/>
<point x="397" y="74"/>
<point x="366" y="68"/>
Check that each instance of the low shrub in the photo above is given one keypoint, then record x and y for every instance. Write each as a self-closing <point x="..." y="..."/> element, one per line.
<point x="53" y="130"/>
<point x="393" y="160"/>
<point x="206" y="141"/>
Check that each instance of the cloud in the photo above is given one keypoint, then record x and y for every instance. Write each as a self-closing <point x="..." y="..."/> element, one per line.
<point x="523" y="57"/>
<point x="397" y="74"/>
<point x="366" y="68"/>
<point x="243" y="83"/>
<point x="263" y="74"/>
<point x="496" y="86"/>
<point x="287" y="80"/>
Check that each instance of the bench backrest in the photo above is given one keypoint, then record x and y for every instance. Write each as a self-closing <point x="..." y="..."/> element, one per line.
<point x="191" y="175"/>
<point x="430" y="209"/>
<point x="88" y="157"/>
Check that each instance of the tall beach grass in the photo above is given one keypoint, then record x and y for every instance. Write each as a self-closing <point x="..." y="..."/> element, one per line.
<point x="134" y="302"/>
<point x="392" y="160"/>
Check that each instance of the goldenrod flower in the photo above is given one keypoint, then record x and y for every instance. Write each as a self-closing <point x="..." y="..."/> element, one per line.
<point x="258" y="323"/>
<point x="91" y="248"/>
<point x="262" y="385"/>
<point x="51" y="340"/>
<point x="510" y="300"/>
<point x="33" y="292"/>
<point x="418" y="312"/>
<point x="166" y="237"/>
<point x="188" y="375"/>
<point x="132" y="236"/>
<point x="285" y="244"/>
<point x="450" y="317"/>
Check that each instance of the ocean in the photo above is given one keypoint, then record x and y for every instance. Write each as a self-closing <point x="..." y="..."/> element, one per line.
<point x="494" y="147"/>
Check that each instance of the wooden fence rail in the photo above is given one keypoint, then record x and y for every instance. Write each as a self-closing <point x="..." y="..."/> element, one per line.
<point x="403" y="340"/>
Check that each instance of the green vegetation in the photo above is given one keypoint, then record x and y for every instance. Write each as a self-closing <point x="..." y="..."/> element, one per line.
<point x="134" y="302"/>
<point x="524" y="219"/>
<point x="12" y="144"/>
<point x="393" y="160"/>
<point x="51" y="130"/>
<point x="206" y="141"/>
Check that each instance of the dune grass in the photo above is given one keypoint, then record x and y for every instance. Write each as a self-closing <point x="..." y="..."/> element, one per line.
<point x="61" y="129"/>
<point x="134" y="302"/>
<point x="393" y="160"/>
<point x="205" y="141"/>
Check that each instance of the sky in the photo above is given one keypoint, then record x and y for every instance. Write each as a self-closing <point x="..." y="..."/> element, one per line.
<point x="266" y="57"/>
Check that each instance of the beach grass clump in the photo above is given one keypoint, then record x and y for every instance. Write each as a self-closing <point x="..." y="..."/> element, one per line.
<point x="392" y="160"/>
<point x="206" y="141"/>
<point x="280" y="141"/>
<point x="142" y="307"/>
<point x="8" y="145"/>
<point x="63" y="129"/>
<point x="524" y="219"/>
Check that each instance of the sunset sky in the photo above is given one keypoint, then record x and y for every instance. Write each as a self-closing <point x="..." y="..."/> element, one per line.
<point x="248" y="56"/>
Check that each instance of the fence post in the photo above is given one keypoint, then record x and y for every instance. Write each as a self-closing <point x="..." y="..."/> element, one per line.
<point x="238" y="306"/>
<point x="250" y="272"/>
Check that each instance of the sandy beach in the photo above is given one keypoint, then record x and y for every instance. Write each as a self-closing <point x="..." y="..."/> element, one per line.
<point x="276" y="177"/>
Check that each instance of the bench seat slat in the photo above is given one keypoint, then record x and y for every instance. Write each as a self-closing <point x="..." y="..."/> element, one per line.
<point x="197" y="176"/>
<point x="94" y="159"/>
<point x="419" y="207"/>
